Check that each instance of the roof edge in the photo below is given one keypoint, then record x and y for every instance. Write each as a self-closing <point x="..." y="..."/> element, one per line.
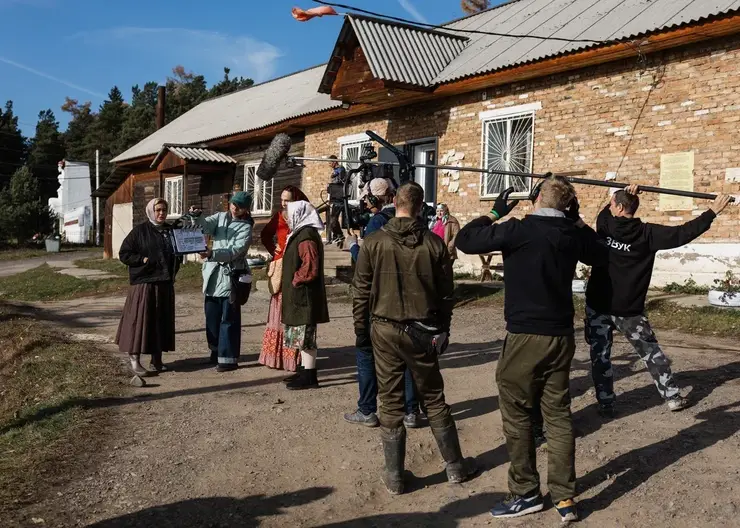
<point x="486" y="10"/>
<point x="733" y="13"/>
<point x="408" y="26"/>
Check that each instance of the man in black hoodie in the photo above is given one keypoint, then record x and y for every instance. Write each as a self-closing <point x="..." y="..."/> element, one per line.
<point x="540" y="253"/>
<point x="615" y="297"/>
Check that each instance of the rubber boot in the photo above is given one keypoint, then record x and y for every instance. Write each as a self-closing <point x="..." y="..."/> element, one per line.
<point x="136" y="367"/>
<point x="295" y="376"/>
<point x="307" y="379"/>
<point x="458" y="468"/>
<point x="394" y="451"/>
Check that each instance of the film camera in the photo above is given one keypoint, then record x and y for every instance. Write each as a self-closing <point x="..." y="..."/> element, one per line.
<point x="357" y="216"/>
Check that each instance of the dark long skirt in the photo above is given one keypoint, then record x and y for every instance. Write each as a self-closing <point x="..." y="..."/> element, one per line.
<point x="148" y="320"/>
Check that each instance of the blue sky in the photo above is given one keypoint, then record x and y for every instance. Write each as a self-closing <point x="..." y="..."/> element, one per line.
<point x="50" y="49"/>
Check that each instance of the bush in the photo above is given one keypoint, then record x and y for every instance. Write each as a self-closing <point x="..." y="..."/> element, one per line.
<point x="22" y="213"/>
<point x="689" y="287"/>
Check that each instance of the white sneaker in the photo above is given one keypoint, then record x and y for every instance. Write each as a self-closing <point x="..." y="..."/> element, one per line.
<point x="677" y="403"/>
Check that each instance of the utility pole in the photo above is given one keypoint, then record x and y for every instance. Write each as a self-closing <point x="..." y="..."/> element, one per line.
<point x="97" y="199"/>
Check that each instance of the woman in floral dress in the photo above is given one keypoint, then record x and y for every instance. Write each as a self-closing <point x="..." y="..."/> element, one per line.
<point x="274" y="237"/>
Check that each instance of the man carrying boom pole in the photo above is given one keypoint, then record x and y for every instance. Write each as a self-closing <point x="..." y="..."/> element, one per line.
<point x="540" y="253"/>
<point x="615" y="297"/>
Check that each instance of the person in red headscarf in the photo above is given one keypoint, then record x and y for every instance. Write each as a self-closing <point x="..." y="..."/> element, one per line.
<point x="274" y="237"/>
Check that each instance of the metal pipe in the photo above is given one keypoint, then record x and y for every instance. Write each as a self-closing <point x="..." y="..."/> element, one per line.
<point x="582" y="181"/>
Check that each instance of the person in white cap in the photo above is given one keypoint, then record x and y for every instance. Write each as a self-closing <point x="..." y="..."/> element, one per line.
<point x="378" y="195"/>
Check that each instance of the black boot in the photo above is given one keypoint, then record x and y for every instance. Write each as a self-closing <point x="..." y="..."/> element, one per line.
<point x="458" y="468"/>
<point x="306" y="380"/>
<point x="156" y="363"/>
<point x="394" y="451"/>
<point x="294" y="376"/>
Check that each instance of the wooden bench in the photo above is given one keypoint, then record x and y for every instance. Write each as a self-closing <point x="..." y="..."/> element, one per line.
<point x="486" y="266"/>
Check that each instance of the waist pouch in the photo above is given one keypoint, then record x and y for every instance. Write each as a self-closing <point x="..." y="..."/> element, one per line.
<point x="241" y="286"/>
<point x="427" y="338"/>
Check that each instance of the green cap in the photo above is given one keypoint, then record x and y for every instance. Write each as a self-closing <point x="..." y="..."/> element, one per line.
<point x="242" y="199"/>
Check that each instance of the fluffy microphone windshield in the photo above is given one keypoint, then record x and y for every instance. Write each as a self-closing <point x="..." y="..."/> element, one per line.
<point x="275" y="153"/>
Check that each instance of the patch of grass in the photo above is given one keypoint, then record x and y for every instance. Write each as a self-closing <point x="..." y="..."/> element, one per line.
<point x="112" y="266"/>
<point x="189" y="278"/>
<point x="699" y="320"/>
<point x="689" y="287"/>
<point x="45" y="284"/>
<point x="48" y="420"/>
<point x="21" y="253"/>
<point x="696" y="320"/>
<point x="479" y="294"/>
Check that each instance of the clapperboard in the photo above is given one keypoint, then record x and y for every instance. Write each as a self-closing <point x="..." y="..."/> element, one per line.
<point x="188" y="241"/>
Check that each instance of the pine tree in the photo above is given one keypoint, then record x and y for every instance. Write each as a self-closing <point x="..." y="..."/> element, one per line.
<point x="105" y="133"/>
<point x="77" y="137"/>
<point x="13" y="146"/>
<point x="46" y="150"/>
<point x="139" y="120"/>
<point x="226" y="85"/>
<point x="470" y="7"/>
<point x="22" y="211"/>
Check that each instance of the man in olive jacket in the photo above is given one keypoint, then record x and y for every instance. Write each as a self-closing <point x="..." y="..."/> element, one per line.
<point x="403" y="285"/>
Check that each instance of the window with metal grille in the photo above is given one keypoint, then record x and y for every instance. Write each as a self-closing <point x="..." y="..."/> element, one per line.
<point x="173" y="195"/>
<point x="507" y="146"/>
<point x="352" y="151"/>
<point x="261" y="191"/>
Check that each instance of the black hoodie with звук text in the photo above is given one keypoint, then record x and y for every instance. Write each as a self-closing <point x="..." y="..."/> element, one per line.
<point x="403" y="274"/>
<point x="620" y="287"/>
<point x="540" y="257"/>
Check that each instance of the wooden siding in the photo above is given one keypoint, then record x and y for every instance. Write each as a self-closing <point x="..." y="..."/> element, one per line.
<point x="123" y="194"/>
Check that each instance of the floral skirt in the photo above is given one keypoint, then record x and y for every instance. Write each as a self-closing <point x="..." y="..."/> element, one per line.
<point x="274" y="354"/>
<point x="301" y="337"/>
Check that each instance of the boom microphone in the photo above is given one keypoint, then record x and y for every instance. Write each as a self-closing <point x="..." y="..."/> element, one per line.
<point x="274" y="155"/>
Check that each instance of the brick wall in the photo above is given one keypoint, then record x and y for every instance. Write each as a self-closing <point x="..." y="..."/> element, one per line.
<point x="616" y="118"/>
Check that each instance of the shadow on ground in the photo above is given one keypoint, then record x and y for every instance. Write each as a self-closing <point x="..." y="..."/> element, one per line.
<point x="227" y="512"/>
<point x="637" y="466"/>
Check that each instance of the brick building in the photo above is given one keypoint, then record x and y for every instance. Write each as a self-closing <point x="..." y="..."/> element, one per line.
<point x="655" y="101"/>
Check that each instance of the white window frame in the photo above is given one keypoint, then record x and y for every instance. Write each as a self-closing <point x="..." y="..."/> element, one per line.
<point x="261" y="191"/>
<point x="173" y="211"/>
<point x="352" y="141"/>
<point x="507" y="115"/>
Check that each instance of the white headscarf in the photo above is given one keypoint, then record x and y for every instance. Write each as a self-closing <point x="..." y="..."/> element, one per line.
<point x="150" y="214"/>
<point x="302" y="214"/>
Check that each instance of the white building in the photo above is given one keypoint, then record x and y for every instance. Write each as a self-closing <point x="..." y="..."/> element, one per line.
<point x="73" y="204"/>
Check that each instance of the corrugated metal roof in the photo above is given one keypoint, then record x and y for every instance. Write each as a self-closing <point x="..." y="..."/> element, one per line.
<point x="599" y="20"/>
<point x="257" y="107"/>
<point x="403" y="53"/>
<point x="187" y="152"/>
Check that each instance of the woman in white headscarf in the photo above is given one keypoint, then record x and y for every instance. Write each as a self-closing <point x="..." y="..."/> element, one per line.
<point x="304" y="292"/>
<point x="148" y="321"/>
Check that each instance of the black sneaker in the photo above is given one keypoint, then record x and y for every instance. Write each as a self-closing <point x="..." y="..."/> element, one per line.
<point x="608" y="410"/>
<point x="227" y="367"/>
<point x="516" y="506"/>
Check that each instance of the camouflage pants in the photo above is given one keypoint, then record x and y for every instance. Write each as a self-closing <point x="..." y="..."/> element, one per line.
<point x="637" y="330"/>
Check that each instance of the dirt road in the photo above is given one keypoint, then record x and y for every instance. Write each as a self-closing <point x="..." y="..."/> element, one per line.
<point x="198" y="448"/>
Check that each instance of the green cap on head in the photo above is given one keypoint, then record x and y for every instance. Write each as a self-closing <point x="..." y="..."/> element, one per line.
<point x="242" y="199"/>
